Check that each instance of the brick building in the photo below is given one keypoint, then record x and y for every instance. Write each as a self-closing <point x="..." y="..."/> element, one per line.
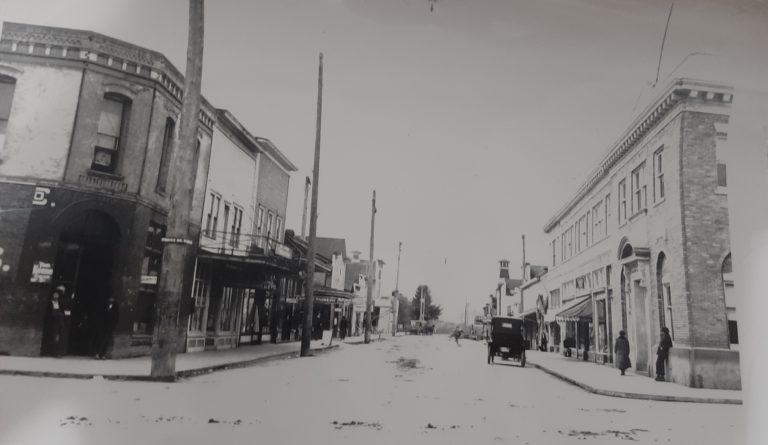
<point x="644" y="243"/>
<point x="86" y="130"/>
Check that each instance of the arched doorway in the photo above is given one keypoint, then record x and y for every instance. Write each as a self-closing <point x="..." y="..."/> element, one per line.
<point x="86" y="250"/>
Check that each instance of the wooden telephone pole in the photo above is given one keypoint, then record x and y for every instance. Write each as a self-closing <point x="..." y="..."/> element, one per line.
<point x="371" y="276"/>
<point x="309" y="281"/>
<point x="180" y="244"/>
<point x="396" y="306"/>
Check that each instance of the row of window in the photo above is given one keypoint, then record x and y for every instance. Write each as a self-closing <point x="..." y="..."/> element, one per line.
<point x="114" y="118"/>
<point x="233" y="221"/>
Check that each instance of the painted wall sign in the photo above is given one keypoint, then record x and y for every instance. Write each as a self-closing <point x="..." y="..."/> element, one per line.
<point x="41" y="272"/>
<point x="40" y="198"/>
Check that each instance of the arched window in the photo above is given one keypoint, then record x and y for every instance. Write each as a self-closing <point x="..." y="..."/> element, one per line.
<point x="730" y="303"/>
<point x="111" y="132"/>
<point x="7" y="89"/>
<point x="166" y="156"/>
<point x="664" y="295"/>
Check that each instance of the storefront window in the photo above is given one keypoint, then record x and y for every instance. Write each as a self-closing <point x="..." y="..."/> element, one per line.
<point x="200" y="293"/>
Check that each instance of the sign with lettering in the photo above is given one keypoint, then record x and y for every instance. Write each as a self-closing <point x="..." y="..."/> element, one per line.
<point x="283" y="251"/>
<point x="41" y="272"/>
<point x="149" y="279"/>
<point x="40" y="198"/>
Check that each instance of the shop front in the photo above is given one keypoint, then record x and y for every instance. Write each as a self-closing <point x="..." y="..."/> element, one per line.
<point x="235" y="301"/>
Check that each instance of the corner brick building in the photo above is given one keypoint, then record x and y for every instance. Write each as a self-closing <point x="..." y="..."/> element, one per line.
<point x="644" y="243"/>
<point x="87" y="124"/>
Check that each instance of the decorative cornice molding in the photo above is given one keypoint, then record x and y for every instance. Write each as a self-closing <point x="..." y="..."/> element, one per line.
<point x="679" y="91"/>
<point x="98" y="49"/>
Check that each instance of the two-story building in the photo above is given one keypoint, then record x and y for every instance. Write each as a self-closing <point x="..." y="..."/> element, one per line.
<point x="644" y="243"/>
<point x="244" y="269"/>
<point x="87" y="124"/>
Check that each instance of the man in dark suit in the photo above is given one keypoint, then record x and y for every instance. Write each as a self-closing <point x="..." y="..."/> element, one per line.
<point x="108" y="323"/>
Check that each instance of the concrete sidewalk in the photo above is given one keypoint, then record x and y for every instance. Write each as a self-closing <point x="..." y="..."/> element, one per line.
<point x="606" y="380"/>
<point x="138" y="368"/>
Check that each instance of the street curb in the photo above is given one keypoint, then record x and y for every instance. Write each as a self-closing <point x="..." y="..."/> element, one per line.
<point x="362" y="342"/>
<point x="631" y="395"/>
<point x="179" y="374"/>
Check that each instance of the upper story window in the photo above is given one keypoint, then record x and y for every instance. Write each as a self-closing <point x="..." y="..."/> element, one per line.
<point x="722" y="177"/>
<point x="227" y="208"/>
<point x="622" y="201"/>
<point x="212" y="218"/>
<point x="607" y="214"/>
<point x="111" y="132"/>
<point x="260" y="221"/>
<point x="562" y="247"/>
<point x="278" y="229"/>
<point x="7" y="89"/>
<point x="658" y="175"/>
<point x="554" y="242"/>
<point x="167" y="154"/>
<point x="270" y="221"/>
<point x="237" y="223"/>
<point x="597" y="221"/>
<point x="638" y="188"/>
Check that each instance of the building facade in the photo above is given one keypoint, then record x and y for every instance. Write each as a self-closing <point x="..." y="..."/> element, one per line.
<point x="84" y="182"/>
<point x="88" y="125"/>
<point x="244" y="270"/>
<point x="645" y="244"/>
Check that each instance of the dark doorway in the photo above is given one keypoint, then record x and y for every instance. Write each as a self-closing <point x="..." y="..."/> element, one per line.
<point x="84" y="260"/>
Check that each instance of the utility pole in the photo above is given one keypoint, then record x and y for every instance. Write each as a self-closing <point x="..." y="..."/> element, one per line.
<point x="307" y="183"/>
<point x="397" y="290"/>
<point x="522" y="281"/>
<point x="179" y="245"/>
<point x="309" y="281"/>
<point x="466" y="304"/>
<point x="371" y="275"/>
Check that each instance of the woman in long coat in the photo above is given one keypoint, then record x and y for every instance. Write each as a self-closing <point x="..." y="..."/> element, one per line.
<point x="622" y="352"/>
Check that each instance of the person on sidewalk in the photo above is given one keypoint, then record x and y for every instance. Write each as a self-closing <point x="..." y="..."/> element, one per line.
<point x="622" y="352"/>
<point x="56" y="323"/>
<point x="662" y="354"/>
<point x="544" y="342"/>
<point x="343" y="328"/>
<point x="107" y="326"/>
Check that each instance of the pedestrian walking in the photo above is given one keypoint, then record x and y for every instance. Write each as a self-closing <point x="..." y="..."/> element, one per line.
<point x="55" y="324"/>
<point x="662" y="353"/>
<point x="108" y="322"/>
<point x="343" y="328"/>
<point x="544" y="341"/>
<point x="622" y="352"/>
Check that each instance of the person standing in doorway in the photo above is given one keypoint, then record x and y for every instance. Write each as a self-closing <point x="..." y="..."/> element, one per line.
<point x="108" y="323"/>
<point x="622" y="352"/>
<point x="343" y="328"/>
<point x="662" y="354"/>
<point x="56" y="324"/>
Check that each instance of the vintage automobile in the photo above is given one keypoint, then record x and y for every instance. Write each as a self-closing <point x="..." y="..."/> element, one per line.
<point x="507" y="339"/>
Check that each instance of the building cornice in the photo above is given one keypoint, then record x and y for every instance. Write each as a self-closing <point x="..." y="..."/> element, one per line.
<point x="100" y="50"/>
<point x="678" y="91"/>
<point x="254" y="143"/>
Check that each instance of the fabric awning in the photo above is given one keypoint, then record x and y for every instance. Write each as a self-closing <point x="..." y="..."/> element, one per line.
<point x="581" y="311"/>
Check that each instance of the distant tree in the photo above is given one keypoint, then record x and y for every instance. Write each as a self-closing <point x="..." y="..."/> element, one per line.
<point x="404" y="311"/>
<point x="431" y="311"/>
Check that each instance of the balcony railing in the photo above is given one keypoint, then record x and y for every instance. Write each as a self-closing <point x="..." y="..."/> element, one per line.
<point x="228" y="243"/>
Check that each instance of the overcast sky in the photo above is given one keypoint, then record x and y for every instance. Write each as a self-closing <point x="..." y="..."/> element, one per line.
<point x="474" y="122"/>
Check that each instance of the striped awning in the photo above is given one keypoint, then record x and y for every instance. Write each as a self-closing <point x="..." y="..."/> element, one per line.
<point x="581" y="311"/>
